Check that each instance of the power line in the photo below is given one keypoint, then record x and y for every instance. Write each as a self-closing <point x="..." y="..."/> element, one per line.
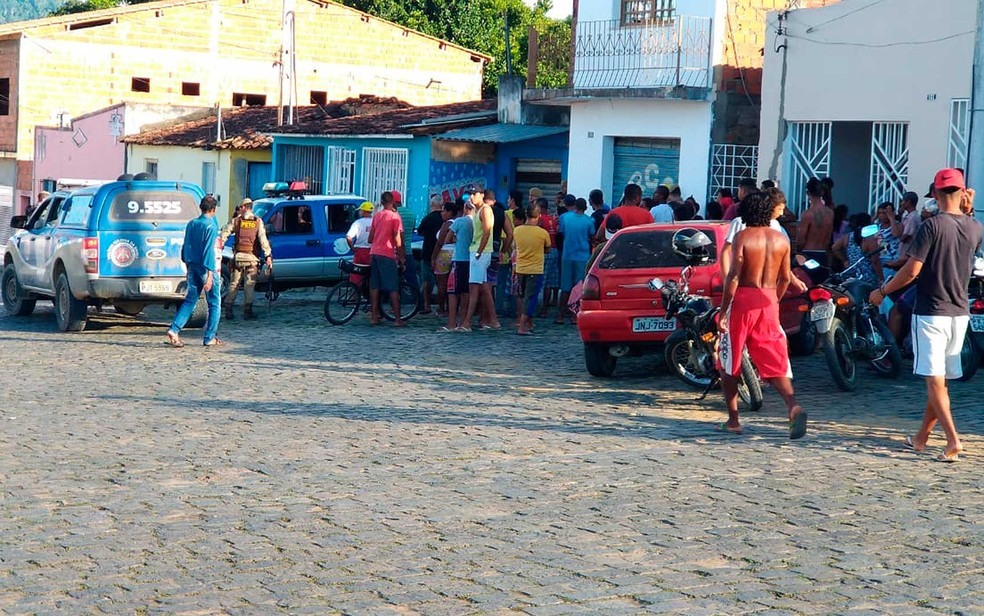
<point x="880" y="45"/>
<point x="842" y="16"/>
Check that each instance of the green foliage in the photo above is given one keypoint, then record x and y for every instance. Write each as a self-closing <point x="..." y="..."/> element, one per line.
<point x="84" y="6"/>
<point x="479" y="25"/>
<point x="20" y="10"/>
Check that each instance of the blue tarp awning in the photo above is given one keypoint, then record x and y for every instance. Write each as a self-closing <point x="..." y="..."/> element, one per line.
<point x="501" y="133"/>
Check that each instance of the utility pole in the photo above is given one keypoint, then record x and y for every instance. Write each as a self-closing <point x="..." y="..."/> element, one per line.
<point x="286" y="63"/>
<point x="975" y="149"/>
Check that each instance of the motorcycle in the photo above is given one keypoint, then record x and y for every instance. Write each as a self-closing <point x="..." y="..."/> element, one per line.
<point x="852" y="329"/>
<point x="691" y="352"/>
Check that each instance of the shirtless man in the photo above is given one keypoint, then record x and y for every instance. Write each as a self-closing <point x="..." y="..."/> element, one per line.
<point x="816" y="228"/>
<point x="758" y="278"/>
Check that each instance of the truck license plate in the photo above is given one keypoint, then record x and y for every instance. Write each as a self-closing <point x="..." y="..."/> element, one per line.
<point x="646" y="325"/>
<point x="155" y="286"/>
<point x="977" y="322"/>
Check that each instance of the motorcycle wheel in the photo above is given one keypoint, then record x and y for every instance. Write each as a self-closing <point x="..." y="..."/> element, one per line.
<point x="750" y="387"/>
<point x="342" y="302"/>
<point x="889" y="365"/>
<point x="680" y="357"/>
<point x="838" y="349"/>
<point x="410" y="298"/>
<point x="970" y="358"/>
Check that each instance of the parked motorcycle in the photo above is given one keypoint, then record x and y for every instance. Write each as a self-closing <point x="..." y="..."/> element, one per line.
<point x="691" y="352"/>
<point x="852" y="329"/>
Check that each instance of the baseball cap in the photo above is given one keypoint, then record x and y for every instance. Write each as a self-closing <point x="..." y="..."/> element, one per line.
<point x="246" y="201"/>
<point x="397" y="197"/>
<point x="949" y="178"/>
<point x="366" y="206"/>
<point x="536" y="193"/>
<point x="929" y="193"/>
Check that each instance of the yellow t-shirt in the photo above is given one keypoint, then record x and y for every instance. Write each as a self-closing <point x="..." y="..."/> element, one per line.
<point x="531" y="243"/>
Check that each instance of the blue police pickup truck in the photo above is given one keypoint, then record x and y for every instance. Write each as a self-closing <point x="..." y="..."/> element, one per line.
<point x="115" y="244"/>
<point x="306" y="234"/>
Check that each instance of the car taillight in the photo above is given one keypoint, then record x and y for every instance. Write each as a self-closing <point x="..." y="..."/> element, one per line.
<point x="90" y="255"/>
<point x="978" y="306"/>
<point x="819" y="295"/>
<point x="591" y="288"/>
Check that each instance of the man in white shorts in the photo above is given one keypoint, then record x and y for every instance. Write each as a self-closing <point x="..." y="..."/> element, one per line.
<point x="940" y="261"/>
<point x="480" y="257"/>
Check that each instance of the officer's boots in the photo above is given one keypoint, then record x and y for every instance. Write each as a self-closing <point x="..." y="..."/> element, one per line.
<point x="228" y="313"/>
<point x="248" y="313"/>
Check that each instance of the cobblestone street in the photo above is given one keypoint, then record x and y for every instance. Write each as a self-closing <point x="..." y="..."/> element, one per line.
<point x="312" y="469"/>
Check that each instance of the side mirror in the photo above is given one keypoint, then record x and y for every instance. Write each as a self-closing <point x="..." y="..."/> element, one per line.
<point x="18" y="222"/>
<point x="870" y="231"/>
<point x="655" y="284"/>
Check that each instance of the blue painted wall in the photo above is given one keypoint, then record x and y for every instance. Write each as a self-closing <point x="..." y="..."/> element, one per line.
<point x="554" y="147"/>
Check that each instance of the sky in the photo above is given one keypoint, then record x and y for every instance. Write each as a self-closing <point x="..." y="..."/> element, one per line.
<point x="561" y="8"/>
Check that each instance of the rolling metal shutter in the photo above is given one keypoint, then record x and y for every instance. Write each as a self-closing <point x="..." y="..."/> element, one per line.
<point x="646" y="162"/>
<point x="538" y="173"/>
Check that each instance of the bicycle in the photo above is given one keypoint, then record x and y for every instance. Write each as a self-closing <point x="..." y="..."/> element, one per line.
<point x="346" y="298"/>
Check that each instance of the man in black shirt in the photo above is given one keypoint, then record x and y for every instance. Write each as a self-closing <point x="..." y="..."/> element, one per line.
<point x="940" y="261"/>
<point x="428" y="228"/>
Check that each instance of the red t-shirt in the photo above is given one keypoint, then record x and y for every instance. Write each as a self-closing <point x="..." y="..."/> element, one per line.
<point x="386" y="225"/>
<point x="549" y="224"/>
<point x="632" y="215"/>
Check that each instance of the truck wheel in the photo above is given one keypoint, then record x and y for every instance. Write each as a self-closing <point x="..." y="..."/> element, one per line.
<point x="130" y="309"/>
<point x="70" y="313"/>
<point x="598" y="360"/>
<point x="199" y="316"/>
<point x="12" y="301"/>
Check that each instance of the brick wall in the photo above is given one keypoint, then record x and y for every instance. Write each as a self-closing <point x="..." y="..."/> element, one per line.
<point x="9" y="58"/>
<point x="225" y="46"/>
<point x="739" y="78"/>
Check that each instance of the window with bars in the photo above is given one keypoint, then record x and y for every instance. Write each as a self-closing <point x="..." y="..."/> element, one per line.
<point x="636" y="12"/>
<point x="384" y="169"/>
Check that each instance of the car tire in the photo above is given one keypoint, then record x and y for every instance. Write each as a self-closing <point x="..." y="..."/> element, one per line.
<point x="970" y="359"/>
<point x="70" y="313"/>
<point x="598" y="360"/>
<point x="199" y="315"/>
<point x="13" y="302"/>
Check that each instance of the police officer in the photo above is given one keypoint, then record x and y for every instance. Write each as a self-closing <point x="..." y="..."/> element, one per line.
<point x="251" y="244"/>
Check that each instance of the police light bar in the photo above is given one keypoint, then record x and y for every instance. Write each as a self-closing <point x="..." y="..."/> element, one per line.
<point x="297" y="190"/>
<point x="274" y="188"/>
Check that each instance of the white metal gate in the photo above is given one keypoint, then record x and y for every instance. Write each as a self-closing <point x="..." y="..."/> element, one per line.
<point x="384" y="169"/>
<point x="730" y="164"/>
<point x="341" y="171"/>
<point x="956" y="152"/>
<point x="807" y="156"/>
<point x="889" y="163"/>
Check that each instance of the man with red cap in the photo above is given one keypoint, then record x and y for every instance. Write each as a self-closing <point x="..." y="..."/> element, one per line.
<point x="941" y="259"/>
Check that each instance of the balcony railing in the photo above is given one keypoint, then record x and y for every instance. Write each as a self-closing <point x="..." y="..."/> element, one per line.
<point x="648" y="55"/>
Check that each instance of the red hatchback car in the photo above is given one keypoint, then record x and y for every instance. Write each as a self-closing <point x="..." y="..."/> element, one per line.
<point x="620" y="315"/>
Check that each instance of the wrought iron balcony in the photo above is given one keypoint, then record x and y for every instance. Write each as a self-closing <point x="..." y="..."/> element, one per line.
<point x="662" y="54"/>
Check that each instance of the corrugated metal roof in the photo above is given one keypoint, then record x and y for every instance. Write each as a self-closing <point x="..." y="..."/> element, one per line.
<point x="501" y="133"/>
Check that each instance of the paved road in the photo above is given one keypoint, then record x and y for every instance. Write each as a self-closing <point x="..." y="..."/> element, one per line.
<point x="314" y="469"/>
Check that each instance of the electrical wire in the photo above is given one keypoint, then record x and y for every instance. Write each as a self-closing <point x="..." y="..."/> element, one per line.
<point x="880" y="45"/>
<point x="839" y="17"/>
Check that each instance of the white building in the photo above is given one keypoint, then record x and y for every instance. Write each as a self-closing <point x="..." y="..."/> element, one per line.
<point x="641" y="95"/>
<point x="872" y="94"/>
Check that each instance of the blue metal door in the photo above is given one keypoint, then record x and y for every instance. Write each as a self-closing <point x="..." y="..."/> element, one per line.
<point x="257" y="175"/>
<point x="646" y="162"/>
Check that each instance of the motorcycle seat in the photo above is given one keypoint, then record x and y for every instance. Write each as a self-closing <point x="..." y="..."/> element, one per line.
<point x="859" y="291"/>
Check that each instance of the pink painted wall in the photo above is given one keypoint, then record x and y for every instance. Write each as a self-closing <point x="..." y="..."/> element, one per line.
<point x="100" y="157"/>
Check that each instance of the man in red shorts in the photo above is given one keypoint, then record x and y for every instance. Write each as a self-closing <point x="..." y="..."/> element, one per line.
<point x="758" y="277"/>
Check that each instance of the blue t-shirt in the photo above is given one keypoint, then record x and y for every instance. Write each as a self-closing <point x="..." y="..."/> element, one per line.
<point x="463" y="229"/>
<point x="577" y="230"/>
<point x="199" y="242"/>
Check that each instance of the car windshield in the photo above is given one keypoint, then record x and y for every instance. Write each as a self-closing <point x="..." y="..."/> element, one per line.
<point x="261" y="208"/>
<point x="647" y="249"/>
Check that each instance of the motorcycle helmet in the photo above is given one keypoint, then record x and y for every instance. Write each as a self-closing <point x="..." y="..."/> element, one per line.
<point x="692" y="245"/>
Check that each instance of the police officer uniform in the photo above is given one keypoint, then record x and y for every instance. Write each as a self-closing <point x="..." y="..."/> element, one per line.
<point x="250" y="245"/>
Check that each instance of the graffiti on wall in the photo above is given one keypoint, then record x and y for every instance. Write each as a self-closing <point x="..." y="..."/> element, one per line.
<point x="451" y="180"/>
